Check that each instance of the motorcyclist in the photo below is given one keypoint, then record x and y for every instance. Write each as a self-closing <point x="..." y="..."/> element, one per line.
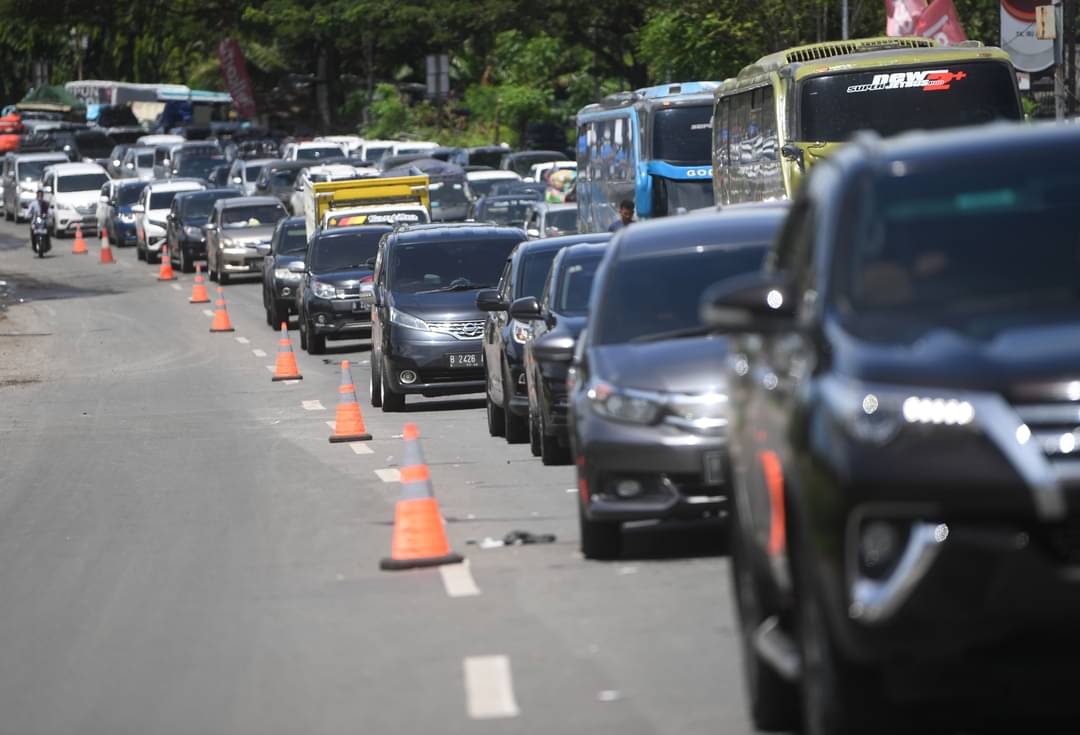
<point x="38" y="208"/>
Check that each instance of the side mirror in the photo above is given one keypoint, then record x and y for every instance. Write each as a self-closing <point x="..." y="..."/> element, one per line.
<point x="554" y="348"/>
<point x="758" y="302"/>
<point x="525" y="309"/>
<point x="488" y="300"/>
<point x="794" y="153"/>
<point x="297" y="266"/>
<point x="138" y="208"/>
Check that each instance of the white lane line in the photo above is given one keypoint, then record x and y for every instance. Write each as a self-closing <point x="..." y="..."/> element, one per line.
<point x="389" y="475"/>
<point x="243" y="340"/>
<point x="291" y="382"/>
<point x="271" y="368"/>
<point x="331" y="424"/>
<point x="207" y="312"/>
<point x="361" y="448"/>
<point x="458" y="580"/>
<point x="258" y="353"/>
<point x="313" y="406"/>
<point x="489" y="688"/>
<point x="175" y="287"/>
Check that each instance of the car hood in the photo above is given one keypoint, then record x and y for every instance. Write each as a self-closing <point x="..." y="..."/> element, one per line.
<point x="243" y="234"/>
<point x="1019" y="356"/>
<point x="282" y="260"/>
<point x="196" y="221"/>
<point x="344" y="278"/>
<point x="694" y="365"/>
<point x="78" y="198"/>
<point x="451" y="306"/>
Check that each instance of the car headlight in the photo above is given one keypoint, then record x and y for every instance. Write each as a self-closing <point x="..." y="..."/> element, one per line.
<point x="323" y="290"/>
<point x="402" y="319"/>
<point x="875" y="414"/>
<point x="284" y="274"/>
<point x="127" y="218"/>
<point x="192" y="231"/>
<point x="521" y="331"/>
<point x="631" y="406"/>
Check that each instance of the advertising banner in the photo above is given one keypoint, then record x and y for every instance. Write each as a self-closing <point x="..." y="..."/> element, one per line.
<point x="938" y="20"/>
<point x="236" y="77"/>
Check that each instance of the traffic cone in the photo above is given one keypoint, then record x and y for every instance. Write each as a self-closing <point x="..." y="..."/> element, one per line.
<point x="221" y="321"/>
<point x="349" y="424"/>
<point x="285" y="369"/>
<point x="106" y="251"/>
<point x="419" y="535"/>
<point x="79" y="248"/>
<point x="165" y="272"/>
<point x="198" y="289"/>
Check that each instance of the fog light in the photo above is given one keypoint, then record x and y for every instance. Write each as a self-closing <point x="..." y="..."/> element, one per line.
<point x="407" y="376"/>
<point x="879" y="547"/>
<point x="321" y="318"/>
<point x="628" y="488"/>
<point x="286" y="291"/>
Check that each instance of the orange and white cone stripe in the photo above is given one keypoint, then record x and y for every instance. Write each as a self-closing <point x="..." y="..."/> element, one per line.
<point x="349" y="422"/>
<point x="285" y="367"/>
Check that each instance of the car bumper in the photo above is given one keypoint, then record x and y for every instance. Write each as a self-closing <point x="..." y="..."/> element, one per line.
<point x="124" y="232"/>
<point x="196" y="249"/>
<point x="69" y="221"/>
<point x="154" y="237"/>
<point x="427" y="355"/>
<point x="246" y="260"/>
<point x="339" y="319"/>
<point x="679" y="475"/>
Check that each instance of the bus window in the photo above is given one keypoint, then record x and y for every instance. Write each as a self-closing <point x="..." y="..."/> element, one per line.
<point x="681" y="134"/>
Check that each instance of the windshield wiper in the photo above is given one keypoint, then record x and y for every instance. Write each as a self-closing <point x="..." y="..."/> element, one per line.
<point x="456" y="287"/>
<point x="698" y="331"/>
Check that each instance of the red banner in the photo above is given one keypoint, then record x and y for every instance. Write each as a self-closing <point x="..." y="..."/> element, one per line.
<point x="902" y="15"/>
<point x="939" y="20"/>
<point x="236" y="77"/>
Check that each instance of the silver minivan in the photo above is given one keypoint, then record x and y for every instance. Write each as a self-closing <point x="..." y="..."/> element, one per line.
<point x="22" y="179"/>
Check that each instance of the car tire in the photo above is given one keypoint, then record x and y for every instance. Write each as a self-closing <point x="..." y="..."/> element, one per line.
<point x="140" y="254"/>
<point x="534" y="435"/>
<point x="516" y="430"/>
<point x="303" y="332"/>
<point x="273" y="316"/>
<point x="599" y="540"/>
<point x="391" y="402"/>
<point x="496" y="420"/>
<point x="316" y="343"/>
<point x="187" y="264"/>
<point x="375" y="381"/>
<point x="222" y="276"/>
<point x="773" y="701"/>
<point x="551" y="451"/>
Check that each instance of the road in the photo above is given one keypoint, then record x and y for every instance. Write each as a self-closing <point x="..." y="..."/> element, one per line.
<point x="183" y="551"/>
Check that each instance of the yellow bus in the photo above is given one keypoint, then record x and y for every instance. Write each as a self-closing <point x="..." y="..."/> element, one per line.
<point x="792" y="108"/>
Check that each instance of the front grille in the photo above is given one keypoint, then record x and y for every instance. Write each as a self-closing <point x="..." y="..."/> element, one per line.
<point x="461" y="330"/>
<point x="88" y="209"/>
<point x="450" y="376"/>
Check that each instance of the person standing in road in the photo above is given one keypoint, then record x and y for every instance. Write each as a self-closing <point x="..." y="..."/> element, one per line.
<point x="626" y="215"/>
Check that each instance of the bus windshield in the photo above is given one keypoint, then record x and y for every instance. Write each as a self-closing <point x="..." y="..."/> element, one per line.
<point x="890" y="101"/>
<point x="683" y="134"/>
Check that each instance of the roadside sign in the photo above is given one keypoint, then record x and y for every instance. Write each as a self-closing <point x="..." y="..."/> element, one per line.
<point x="438" y="76"/>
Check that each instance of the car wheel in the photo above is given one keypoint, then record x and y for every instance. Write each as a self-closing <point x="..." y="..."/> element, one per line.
<point x="186" y="264"/>
<point x="551" y="451"/>
<point x="222" y="276"/>
<point x="375" y="381"/>
<point x="517" y="428"/>
<point x="391" y="402"/>
<point x="495" y="419"/>
<point x="599" y="540"/>
<point x="774" y="701"/>
<point x="140" y="254"/>
<point x="303" y="333"/>
<point x="316" y="343"/>
<point x="273" y="317"/>
<point x="534" y="435"/>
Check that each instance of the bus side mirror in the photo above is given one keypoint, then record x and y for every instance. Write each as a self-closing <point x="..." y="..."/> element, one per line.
<point x="794" y="153"/>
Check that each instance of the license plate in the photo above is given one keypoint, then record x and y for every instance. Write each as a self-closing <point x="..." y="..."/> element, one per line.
<point x="465" y="360"/>
<point x="359" y="307"/>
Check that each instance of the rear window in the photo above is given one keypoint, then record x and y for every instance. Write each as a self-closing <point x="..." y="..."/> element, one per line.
<point x="314" y="154"/>
<point x="80" y="182"/>
<point x="286" y="177"/>
<point x="31" y="170"/>
<point x="254" y="216"/>
<point x="561" y="222"/>
<point x="252" y="171"/>
<point x="197" y="207"/>
<point x="340" y="252"/>
<point x="162" y="199"/>
<point x="507" y="212"/>
<point x="292" y="239"/>
<point x="128" y="195"/>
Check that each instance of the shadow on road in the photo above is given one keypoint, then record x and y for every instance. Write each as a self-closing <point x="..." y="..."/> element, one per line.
<point x="454" y="404"/>
<point x="16" y="287"/>
<point x="675" y="540"/>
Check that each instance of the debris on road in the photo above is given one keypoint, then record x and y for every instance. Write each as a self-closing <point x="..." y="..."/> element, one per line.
<point x="514" y="538"/>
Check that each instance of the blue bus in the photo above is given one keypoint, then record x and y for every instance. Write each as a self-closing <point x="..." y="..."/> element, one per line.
<point x="652" y="146"/>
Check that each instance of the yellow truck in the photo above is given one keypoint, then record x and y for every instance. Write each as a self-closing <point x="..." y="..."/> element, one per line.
<point x="403" y="199"/>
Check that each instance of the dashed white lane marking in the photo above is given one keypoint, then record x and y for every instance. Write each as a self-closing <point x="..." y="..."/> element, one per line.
<point x="243" y="340"/>
<point x="258" y="353"/>
<point x="389" y="475"/>
<point x="207" y="312"/>
<point x="176" y="287"/>
<point x="361" y="449"/>
<point x="489" y="688"/>
<point x="291" y="382"/>
<point x="313" y="406"/>
<point x="458" y="580"/>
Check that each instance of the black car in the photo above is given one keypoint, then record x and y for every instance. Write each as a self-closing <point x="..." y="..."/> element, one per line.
<point x="280" y="283"/>
<point x="194" y="165"/>
<point x="524" y="274"/>
<point x="486" y="155"/>
<point x="426" y="327"/>
<point x="556" y="319"/>
<point x="504" y="210"/>
<point x="905" y="418"/>
<point x="337" y="271"/>
<point x="648" y="403"/>
<point x="185" y="225"/>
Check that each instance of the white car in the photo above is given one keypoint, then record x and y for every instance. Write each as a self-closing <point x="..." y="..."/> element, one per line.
<point x="311" y="150"/>
<point x="326" y="172"/>
<point x="245" y="173"/>
<point x="151" y="212"/>
<point x="72" y="191"/>
<point x="374" y="150"/>
<point x="403" y="147"/>
<point x="22" y="179"/>
<point x="481" y="182"/>
<point x="540" y="171"/>
<point x="351" y="143"/>
<point x="152" y="141"/>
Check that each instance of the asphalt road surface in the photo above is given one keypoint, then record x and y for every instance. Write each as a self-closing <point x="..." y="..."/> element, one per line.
<point x="183" y="551"/>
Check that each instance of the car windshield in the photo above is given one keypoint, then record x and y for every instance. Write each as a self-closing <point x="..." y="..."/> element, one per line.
<point x="31" y="170"/>
<point x="286" y="177"/>
<point x="313" y="154"/>
<point x="976" y="248"/>
<point x="345" y="251"/>
<point x="505" y="212"/>
<point x="197" y="206"/>
<point x="128" y="195"/>
<point x="375" y="153"/>
<point x="679" y="197"/>
<point x="162" y="199"/>
<point x="534" y="272"/>
<point x="561" y="222"/>
<point x="81" y="182"/>
<point x="888" y="101"/>
<point x="654" y="294"/>
<point x="425" y="267"/>
<point x="485" y="158"/>
<point x="252" y="171"/>
<point x="575" y="285"/>
<point x="198" y="167"/>
<point x="683" y="134"/>
<point x="292" y="239"/>
<point x="448" y="194"/>
<point x="258" y="215"/>
<point x="145" y="160"/>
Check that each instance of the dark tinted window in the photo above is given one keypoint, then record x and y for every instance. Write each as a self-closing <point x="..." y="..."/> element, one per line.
<point x="285" y="177"/>
<point x="93" y="144"/>
<point x="485" y="158"/>
<point x="448" y="193"/>
<point x="505" y="211"/>
<point x="198" y="167"/>
<point x="977" y="247"/>
<point x="561" y="222"/>
<point x="162" y="199"/>
<point x="293" y="239"/>
<point x="80" y="182"/>
<point x="482" y="187"/>
<point x="198" y="206"/>
<point x="128" y="195"/>
<point x="679" y="197"/>
<point x="32" y="170"/>
<point x="258" y="215"/>
<point x="145" y="160"/>
<point x="312" y="154"/>
<point x="654" y="294"/>
<point x="252" y="171"/>
<point x="890" y="101"/>
<point x="338" y="252"/>
<point x="439" y="266"/>
<point x="575" y="285"/>
<point x="683" y="134"/>
<point x="534" y="272"/>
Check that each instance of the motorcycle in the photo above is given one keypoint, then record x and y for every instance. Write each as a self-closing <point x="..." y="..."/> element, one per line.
<point x="39" y="236"/>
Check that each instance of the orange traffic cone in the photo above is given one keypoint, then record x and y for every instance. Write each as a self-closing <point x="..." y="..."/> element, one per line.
<point x="198" y="289"/>
<point x="165" y="272"/>
<point x="285" y="368"/>
<point x="106" y="251"/>
<point x="349" y="426"/>
<point x="419" y="535"/>
<point x="221" y="321"/>
<point x="79" y="248"/>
